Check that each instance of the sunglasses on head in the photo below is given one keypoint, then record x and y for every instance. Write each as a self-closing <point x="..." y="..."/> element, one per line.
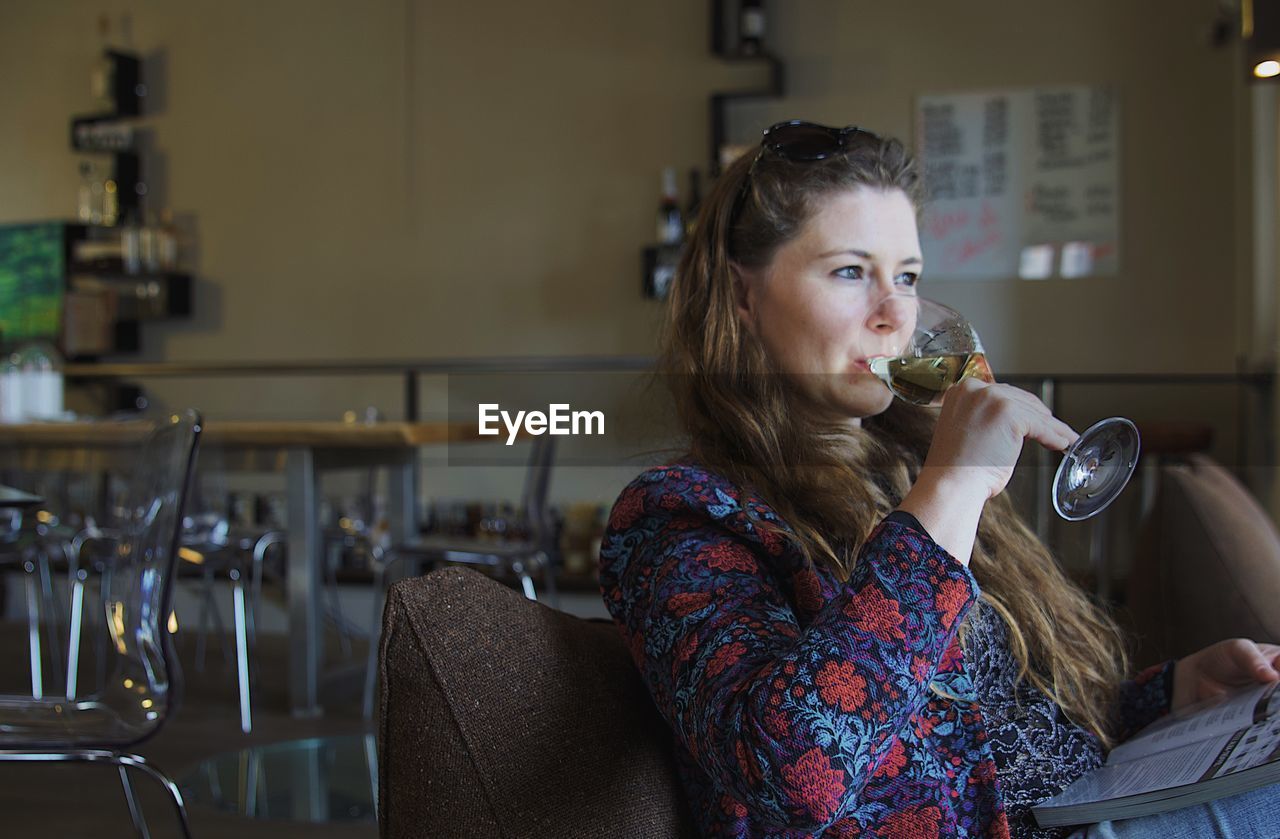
<point x="802" y="141"/>
<point x="799" y="141"/>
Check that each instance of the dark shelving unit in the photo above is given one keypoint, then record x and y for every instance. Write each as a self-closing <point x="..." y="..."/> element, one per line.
<point x="136" y="297"/>
<point x="725" y="46"/>
<point x="658" y="262"/>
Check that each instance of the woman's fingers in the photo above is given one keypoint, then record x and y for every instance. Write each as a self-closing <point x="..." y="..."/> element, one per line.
<point x="1053" y="433"/>
<point x="1060" y="431"/>
<point x="1030" y="416"/>
<point x="1253" y="658"/>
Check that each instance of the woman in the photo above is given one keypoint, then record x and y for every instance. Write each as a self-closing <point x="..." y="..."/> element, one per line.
<point x="833" y="604"/>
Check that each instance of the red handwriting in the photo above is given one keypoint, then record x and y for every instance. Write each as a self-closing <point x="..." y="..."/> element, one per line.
<point x="965" y="250"/>
<point x="989" y="217"/>
<point x="944" y="224"/>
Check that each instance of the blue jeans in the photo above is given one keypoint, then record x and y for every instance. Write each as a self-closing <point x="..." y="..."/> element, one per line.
<point x="1249" y="815"/>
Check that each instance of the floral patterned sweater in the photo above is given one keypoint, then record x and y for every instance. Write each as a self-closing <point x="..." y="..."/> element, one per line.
<point x="802" y="705"/>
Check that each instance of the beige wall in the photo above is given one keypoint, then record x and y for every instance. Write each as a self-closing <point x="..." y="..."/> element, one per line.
<point x="374" y="179"/>
<point x="1178" y="122"/>
<point x="396" y="178"/>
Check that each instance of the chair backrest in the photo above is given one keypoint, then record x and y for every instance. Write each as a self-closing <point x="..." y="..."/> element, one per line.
<point x="143" y="684"/>
<point x="500" y="716"/>
<point x="1207" y="565"/>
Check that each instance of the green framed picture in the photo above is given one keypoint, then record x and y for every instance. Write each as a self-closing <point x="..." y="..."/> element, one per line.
<point x="32" y="281"/>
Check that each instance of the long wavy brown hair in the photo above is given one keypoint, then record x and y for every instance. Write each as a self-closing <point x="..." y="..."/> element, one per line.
<point x="831" y="483"/>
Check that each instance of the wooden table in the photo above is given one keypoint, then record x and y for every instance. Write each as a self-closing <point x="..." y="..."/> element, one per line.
<point x="302" y="451"/>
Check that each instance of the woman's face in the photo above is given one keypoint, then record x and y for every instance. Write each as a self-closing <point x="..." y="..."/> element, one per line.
<point x="836" y="294"/>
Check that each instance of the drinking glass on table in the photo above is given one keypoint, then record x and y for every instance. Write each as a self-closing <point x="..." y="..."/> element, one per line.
<point x="944" y="348"/>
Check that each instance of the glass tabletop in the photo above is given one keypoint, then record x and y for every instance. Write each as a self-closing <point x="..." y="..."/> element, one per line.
<point x="322" y="779"/>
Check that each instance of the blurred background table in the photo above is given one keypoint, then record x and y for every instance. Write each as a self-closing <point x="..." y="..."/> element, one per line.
<point x="302" y="451"/>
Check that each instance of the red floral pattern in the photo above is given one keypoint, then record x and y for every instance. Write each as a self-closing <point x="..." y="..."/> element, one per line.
<point x="841" y="687"/>
<point x="952" y="596"/>
<point x="817" y="782"/>
<point x="801" y="704"/>
<point x="728" y="556"/>
<point x="921" y="822"/>
<point x="877" y="614"/>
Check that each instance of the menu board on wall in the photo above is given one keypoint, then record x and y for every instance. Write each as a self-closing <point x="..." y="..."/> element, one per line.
<point x="1020" y="183"/>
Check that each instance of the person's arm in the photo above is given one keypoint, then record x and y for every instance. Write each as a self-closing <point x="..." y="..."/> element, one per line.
<point x="948" y="508"/>
<point x="790" y="722"/>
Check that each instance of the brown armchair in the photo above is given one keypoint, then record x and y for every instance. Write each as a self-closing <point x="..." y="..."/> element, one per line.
<point x="500" y="716"/>
<point x="1207" y="566"/>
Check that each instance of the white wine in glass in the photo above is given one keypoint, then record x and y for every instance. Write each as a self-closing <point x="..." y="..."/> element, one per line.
<point x="923" y="380"/>
<point x="944" y="349"/>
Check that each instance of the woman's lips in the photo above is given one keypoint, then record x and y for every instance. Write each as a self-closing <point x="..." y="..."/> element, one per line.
<point x="861" y="364"/>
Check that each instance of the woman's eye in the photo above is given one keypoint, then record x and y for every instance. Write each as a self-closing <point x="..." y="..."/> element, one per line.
<point x="908" y="279"/>
<point x="850" y="272"/>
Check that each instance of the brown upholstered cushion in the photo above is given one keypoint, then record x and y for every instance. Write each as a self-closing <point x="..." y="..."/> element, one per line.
<point x="1208" y="564"/>
<point x="503" y="717"/>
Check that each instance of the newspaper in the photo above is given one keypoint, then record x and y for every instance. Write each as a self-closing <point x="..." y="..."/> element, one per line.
<point x="1208" y="750"/>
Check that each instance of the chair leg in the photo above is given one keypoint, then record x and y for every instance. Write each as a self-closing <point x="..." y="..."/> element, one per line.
<point x="33" y="630"/>
<point x="52" y="609"/>
<point x="526" y="583"/>
<point x="335" y="602"/>
<point x="382" y="568"/>
<point x="104" y="590"/>
<point x="251" y="625"/>
<point x="135" y="812"/>
<point x="371" y="760"/>
<point x="260" y="549"/>
<point x="249" y="795"/>
<point x="175" y="795"/>
<point x="76" y="576"/>
<point x="371" y="666"/>
<point x="526" y="580"/>
<point x="122" y="762"/>
<point x="242" y="651"/>
<point x="73" y="638"/>
<point x="549" y="580"/>
<point x="202" y="632"/>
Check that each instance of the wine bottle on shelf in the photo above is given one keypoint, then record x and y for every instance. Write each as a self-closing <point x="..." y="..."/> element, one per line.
<point x="148" y="250"/>
<point x="131" y="247"/>
<point x="167" y="241"/>
<point x="694" y="204"/>
<point x="751" y="27"/>
<point x="670" y="220"/>
<point x="110" y="203"/>
<point x="84" y="199"/>
<point x="97" y="197"/>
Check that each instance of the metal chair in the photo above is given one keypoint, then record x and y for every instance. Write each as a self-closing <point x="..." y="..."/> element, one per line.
<point x="142" y="685"/>
<point x="30" y="541"/>
<point x="42" y="543"/>
<point x="237" y="554"/>
<point x="531" y="554"/>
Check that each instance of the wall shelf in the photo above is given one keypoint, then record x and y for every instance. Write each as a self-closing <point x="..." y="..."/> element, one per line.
<point x="725" y="46"/>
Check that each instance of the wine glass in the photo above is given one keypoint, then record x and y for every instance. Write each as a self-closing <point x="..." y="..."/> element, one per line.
<point x="944" y="348"/>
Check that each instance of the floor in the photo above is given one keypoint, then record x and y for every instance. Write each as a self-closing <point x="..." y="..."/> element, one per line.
<point x="87" y="801"/>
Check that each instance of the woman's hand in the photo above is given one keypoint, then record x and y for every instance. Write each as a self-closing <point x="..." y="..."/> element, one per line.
<point x="981" y="430"/>
<point x="1222" y="668"/>
<point x="976" y="443"/>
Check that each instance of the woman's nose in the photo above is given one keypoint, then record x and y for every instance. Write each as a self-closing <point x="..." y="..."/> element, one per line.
<point x="891" y="313"/>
